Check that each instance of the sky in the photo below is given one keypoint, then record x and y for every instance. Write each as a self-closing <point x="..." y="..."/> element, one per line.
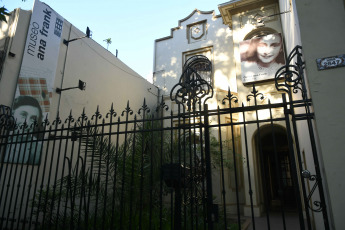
<point x="132" y="25"/>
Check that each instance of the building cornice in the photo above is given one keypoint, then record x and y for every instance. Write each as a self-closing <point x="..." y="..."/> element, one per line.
<point x="228" y="9"/>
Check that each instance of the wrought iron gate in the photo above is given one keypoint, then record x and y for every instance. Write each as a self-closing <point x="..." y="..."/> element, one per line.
<point x="186" y="167"/>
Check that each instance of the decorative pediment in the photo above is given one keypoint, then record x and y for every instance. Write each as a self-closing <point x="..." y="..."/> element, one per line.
<point x="228" y="9"/>
<point x="198" y="32"/>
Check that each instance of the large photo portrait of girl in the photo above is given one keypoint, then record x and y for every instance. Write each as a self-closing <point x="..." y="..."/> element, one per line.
<point x="24" y="145"/>
<point x="261" y="57"/>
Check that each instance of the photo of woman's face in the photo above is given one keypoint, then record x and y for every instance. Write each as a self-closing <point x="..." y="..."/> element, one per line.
<point x="268" y="48"/>
<point x="27" y="113"/>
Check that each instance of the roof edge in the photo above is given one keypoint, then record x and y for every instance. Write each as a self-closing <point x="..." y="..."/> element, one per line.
<point x="185" y="19"/>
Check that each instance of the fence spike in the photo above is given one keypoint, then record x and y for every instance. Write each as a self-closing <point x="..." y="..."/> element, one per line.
<point x="128" y="110"/>
<point x="111" y="112"/>
<point x="144" y="108"/>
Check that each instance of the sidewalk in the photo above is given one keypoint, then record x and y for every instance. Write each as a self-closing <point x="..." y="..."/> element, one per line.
<point x="276" y="222"/>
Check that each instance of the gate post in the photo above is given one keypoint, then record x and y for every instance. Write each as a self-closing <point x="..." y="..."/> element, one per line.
<point x="210" y="211"/>
<point x="294" y="81"/>
<point x="193" y="88"/>
<point x="293" y="163"/>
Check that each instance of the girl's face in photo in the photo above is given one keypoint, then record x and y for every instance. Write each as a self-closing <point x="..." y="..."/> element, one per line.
<point x="268" y="48"/>
<point x="26" y="113"/>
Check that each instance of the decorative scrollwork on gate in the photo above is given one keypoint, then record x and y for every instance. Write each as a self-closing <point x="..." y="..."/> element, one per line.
<point x="230" y="97"/>
<point x="162" y="106"/>
<point x="144" y="108"/>
<point x="192" y="87"/>
<point x="319" y="206"/>
<point x="291" y="76"/>
<point x="254" y="94"/>
<point x="111" y="112"/>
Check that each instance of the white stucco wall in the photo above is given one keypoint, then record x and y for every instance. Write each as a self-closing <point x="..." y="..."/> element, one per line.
<point x="169" y="52"/>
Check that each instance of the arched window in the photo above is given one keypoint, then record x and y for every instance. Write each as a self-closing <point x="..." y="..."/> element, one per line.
<point x="201" y="65"/>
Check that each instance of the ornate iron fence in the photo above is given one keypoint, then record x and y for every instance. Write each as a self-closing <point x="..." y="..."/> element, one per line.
<point x="191" y="167"/>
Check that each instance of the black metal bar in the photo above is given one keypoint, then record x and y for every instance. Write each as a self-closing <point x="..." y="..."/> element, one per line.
<point x="298" y="151"/>
<point x="203" y="173"/>
<point x="178" y="200"/>
<point x="6" y="146"/>
<point x="278" y="172"/>
<point x="122" y="201"/>
<point x="84" y="170"/>
<point x="13" y="219"/>
<point x="222" y="170"/>
<point x="55" y="181"/>
<point x="294" y="82"/>
<point x="141" y="187"/>
<point x="210" y="214"/>
<point x="196" y="176"/>
<point x="24" y="192"/>
<point x="171" y="161"/>
<point x="45" y="127"/>
<point x="79" y="128"/>
<point x="115" y="173"/>
<point x="190" y="177"/>
<point x="183" y="166"/>
<point x="161" y="176"/>
<point x="261" y="156"/>
<point x="235" y="166"/>
<point x="293" y="165"/>
<point x="107" y="155"/>
<point x="248" y="169"/>
<point x="19" y="181"/>
<point x="14" y="178"/>
<point x="30" y="181"/>
<point x="69" y="121"/>
<point x="211" y="113"/>
<point x="151" y="176"/>
<point x="98" y="183"/>
<point x="132" y="175"/>
<point x="56" y="123"/>
<point x="317" y="166"/>
<point x="96" y="116"/>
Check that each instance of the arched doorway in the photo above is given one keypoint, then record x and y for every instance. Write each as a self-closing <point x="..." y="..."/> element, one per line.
<point x="275" y="168"/>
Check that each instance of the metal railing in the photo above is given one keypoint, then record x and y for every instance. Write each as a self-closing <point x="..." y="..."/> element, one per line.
<point x="188" y="168"/>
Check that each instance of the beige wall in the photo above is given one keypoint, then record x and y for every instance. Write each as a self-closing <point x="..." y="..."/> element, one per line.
<point x="108" y="79"/>
<point x="322" y="26"/>
<point x="15" y="31"/>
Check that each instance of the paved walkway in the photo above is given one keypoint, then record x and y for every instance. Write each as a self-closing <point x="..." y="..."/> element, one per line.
<point x="276" y="222"/>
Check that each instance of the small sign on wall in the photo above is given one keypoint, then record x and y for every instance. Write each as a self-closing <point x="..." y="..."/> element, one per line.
<point x="331" y="62"/>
